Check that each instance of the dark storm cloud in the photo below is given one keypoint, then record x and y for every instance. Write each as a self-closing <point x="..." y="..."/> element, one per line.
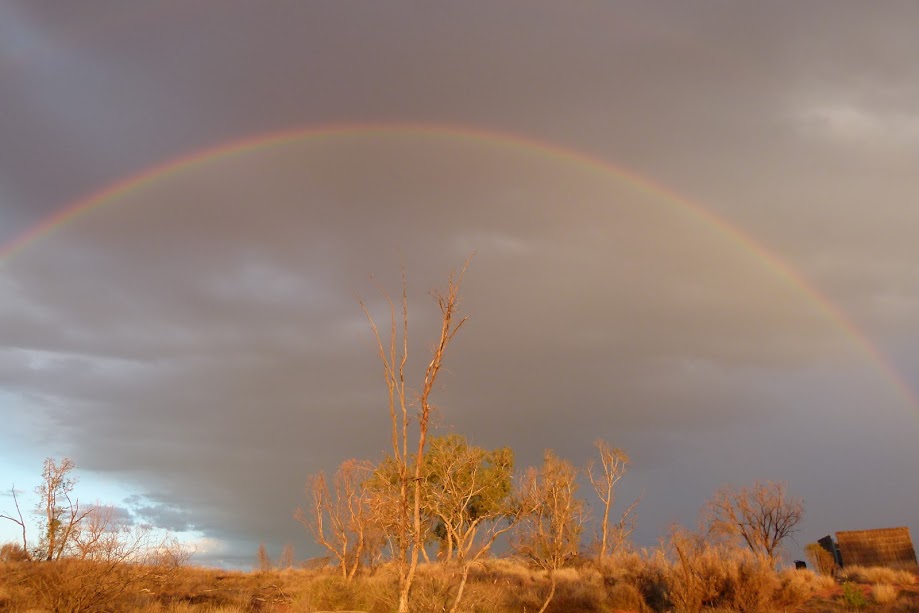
<point x="201" y="338"/>
<point x="165" y="517"/>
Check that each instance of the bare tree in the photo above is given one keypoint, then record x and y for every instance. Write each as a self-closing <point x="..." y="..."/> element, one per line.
<point x="393" y="354"/>
<point x="761" y="516"/>
<point x="286" y="561"/>
<point x="108" y="557"/>
<point x="99" y="534"/>
<point x="613" y="465"/>
<point x="20" y="521"/>
<point x="549" y="532"/>
<point x="61" y="515"/>
<point x="340" y="515"/>
<point x="262" y="559"/>
<point x="105" y="535"/>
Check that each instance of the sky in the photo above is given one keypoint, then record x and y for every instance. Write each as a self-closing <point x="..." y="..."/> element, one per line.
<point x="693" y="225"/>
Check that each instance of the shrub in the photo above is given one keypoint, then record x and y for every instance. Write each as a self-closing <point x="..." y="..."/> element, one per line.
<point x="650" y="578"/>
<point x="877" y="574"/>
<point x="12" y="552"/>
<point x="853" y="596"/>
<point x="820" y="559"/>
<point x="693" y="578"/>
<point x="625" y="596"/>
<point x="796" y="587"/>
<point x="750" y="584"/>
<point x="884" y="593"/>
<point x="331" y="592"/>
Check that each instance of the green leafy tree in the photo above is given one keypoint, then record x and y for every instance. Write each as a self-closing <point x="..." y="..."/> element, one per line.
<point x="467" y="495"/>
<point x="382" y="489"/>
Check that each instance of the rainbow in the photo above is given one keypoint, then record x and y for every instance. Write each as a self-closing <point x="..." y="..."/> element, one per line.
<point x="642" y="185"/>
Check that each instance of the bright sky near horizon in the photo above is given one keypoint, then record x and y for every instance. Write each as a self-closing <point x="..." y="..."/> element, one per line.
<point x="694" y="225"/>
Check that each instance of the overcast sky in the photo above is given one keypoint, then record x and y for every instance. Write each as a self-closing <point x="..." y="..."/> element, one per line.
<point x="196" y="344"/>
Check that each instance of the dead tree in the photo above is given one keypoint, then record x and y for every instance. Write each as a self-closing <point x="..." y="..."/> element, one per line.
<point x="394" y="355"/>
<point x="61" y="515"/>
<point x="613" y="465"/>
<point x="339" y="515"/>
<point x="549" y="533"/>
<point x="20" y="521"/>
<point x="761" y="516"/>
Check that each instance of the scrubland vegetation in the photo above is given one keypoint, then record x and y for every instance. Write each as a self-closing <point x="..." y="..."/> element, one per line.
<point x="419" y="530"/>
<point x="710" y="579"/>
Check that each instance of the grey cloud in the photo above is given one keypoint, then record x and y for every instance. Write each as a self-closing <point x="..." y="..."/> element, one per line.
<point x="200" y="338"/>
<point x="165" y="517"/>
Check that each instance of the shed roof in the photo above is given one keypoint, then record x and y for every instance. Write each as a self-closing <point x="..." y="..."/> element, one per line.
<point x="891" y="547"/>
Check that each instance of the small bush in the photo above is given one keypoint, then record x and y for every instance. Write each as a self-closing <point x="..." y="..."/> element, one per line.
<point x="877" y="574"/>
<point x="625" y="596"/>
<point x="751" y="584"/>
<point x="331" y="592"/>
<point x="824" y="582"/>
<point x="796" y="587"/>
<point x="820" y="559"/>
<point x="884" y="593"/>
<point x="11" y="552"/>
<point x="853" y="596"/>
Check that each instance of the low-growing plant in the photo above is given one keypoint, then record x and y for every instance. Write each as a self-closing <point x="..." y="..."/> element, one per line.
<point x="625" y="596"/>
<point x="751" y="583"/>
<point x="796" y="587"/>
<point x="853" y="596"/>
<point x="877" y="574"/>
<point x="884" y="593"/>
<point x="820" y="559"/>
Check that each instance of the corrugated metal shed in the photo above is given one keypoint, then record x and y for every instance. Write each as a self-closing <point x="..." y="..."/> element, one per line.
<point x="890" y="547"/>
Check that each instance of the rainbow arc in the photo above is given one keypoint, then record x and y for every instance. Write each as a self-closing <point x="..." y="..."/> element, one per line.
<point x="735" y="235"/>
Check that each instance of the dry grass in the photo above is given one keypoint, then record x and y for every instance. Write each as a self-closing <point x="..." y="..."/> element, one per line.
<point x="698" y="575"/>
<point x="884" y="593"/>
<point x="877" y="574"/>
<point x="820" y="559"/>
<point x="706" y="578"/>
<point x="797" y="587"/>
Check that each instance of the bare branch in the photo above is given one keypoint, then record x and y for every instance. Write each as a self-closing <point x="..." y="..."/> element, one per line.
<point x="761" y="516"/>
<point x="408" y="539"/>
<point x="20" y="521"/>
<point x="613" y="465"/>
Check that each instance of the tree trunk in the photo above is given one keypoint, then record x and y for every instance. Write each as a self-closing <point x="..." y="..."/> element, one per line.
<point x="545" y="605"/>
<point x="403" y="597"/>
<point x="605" y="532"/>
<point x="462" y="586"/>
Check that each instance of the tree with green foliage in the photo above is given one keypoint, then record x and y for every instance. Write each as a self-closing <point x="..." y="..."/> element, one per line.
<point x="464" y="487"/>
<point x="467" y="495"/>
